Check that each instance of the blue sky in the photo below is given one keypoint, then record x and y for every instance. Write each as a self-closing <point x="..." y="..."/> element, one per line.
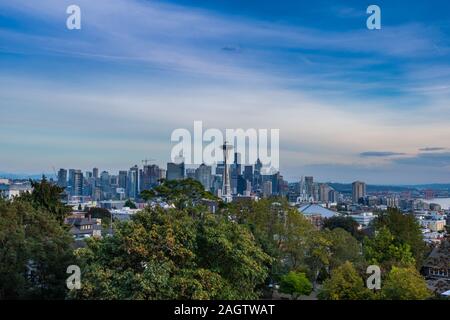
<point x="350" y="103"/>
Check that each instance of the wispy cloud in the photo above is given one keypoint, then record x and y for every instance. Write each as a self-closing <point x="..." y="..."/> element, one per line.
<point x="380" y="154"/>
<point x="427" y="159"/>
<point x="432" y="149"/>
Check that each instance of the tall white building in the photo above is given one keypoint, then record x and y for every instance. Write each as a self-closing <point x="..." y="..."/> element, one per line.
<point x="358" y="191"/>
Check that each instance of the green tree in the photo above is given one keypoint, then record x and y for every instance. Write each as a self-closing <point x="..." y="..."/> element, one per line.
<point x="344" y="284"/>
<point x="295" y="284"/>
<point x="346" y="223"/>
<point x="406" y="231"/>
<point x="286" y="235"/>
<point x="404" y="284"/>
<point x="35" y="251"/>
<point x="130" y="204"/>
<point x="170" y="254"/>
<point x="383" y="250"/>
<point x="47" y="196"/>
<point x="186" y="193"/>
<point x="344" y="247"/>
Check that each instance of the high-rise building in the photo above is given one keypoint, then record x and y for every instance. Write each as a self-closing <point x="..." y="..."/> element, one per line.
<point x="324" y="191"/>
<point x="248" y="173"/>
<point x="309" y="187"/>
<point x="217" y="184"/>
<point x="315" y="195"/>
<point x="105" y="183"/>
<point x="267" y="188"/>
<point x="237" y="163"/>
<point x="133" y="182"/>
<point x="203" y="174"/>
<point x="62" y="178"/>
<point x="123" y="179"/>
<point x="219" y="168"/>
<point x="70" y="178"/>
<point x="175" y="171"/>
<point x="77" y="183"/>
<point x="257" y="175"/>
<point x="162" y="173"/>
<point x="150" y="176"/>
<point x="242" y="185"/>
<point x="358" y="191"/>
<point x="95" y="173"/>
<point x="274" y="181"/>
<point x="234" y="177"/>
<point x="333" y="196"/>
<point x="190" y="173"/>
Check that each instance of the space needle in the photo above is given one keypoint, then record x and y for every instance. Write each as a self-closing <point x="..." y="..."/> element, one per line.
<point x="226" y="186"/>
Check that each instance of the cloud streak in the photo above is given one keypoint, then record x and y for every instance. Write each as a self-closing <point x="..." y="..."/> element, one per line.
<point x="380" y="154"/>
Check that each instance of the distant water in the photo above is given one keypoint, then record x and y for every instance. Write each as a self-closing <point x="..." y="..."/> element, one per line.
<point x="443" y="202"/>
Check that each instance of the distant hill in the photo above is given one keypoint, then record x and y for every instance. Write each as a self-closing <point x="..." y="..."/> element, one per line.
<point x="347" y="187"/>
<point x="432" y="186"/>
<point x="36" y="176"/>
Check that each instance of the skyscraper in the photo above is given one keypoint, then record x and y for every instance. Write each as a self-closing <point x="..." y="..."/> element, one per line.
<point x="105" y="183"/>
<point x="219" y="168"/>
<point x="248" y="173"/>
<point x="95" y="173"/>
<point x="358" y="191"/>
<point x="324" y="191"/>
<point x="123" y="179"/>
<point x="309" y="187"/>
<point x="267" y="188"/>
<point x="133" y="182"/>
<point x="175" y="171"/>
<point x="77" y="183"/>
<point x="257" y="175"/>
<point x="203" y="174"/>
<point x="190" y="173"/>
<point x="150" y="176"/>
<point x="62" y="178"/>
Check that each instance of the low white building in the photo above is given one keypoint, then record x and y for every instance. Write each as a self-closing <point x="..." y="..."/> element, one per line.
<point x="124" y="213"/>
<point x="363" y="219"/>
<point x="10" y="191"/>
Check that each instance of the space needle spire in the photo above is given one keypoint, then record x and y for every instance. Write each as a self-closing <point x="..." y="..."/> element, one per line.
<point x="226" y="186"/>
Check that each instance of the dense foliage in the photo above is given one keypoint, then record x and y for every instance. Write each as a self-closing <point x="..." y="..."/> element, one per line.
<point x="184" y="251"/>
<point x="295" y="284"/>
<point x="169" y="254"/>
<point x="34" y="251"/>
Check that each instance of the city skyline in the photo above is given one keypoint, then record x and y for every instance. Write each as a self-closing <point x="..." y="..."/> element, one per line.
<point x="351" y="104"/>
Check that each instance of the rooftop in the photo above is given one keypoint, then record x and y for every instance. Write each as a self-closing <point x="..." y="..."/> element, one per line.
<point x="315" y="209"/>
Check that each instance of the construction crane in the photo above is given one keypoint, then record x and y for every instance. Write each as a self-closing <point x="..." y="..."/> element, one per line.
<point x="146" y="161"/>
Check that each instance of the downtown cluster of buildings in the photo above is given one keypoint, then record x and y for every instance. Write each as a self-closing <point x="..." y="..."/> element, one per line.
<point x="232" y="181"/>
<point x="236" y="179"/>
